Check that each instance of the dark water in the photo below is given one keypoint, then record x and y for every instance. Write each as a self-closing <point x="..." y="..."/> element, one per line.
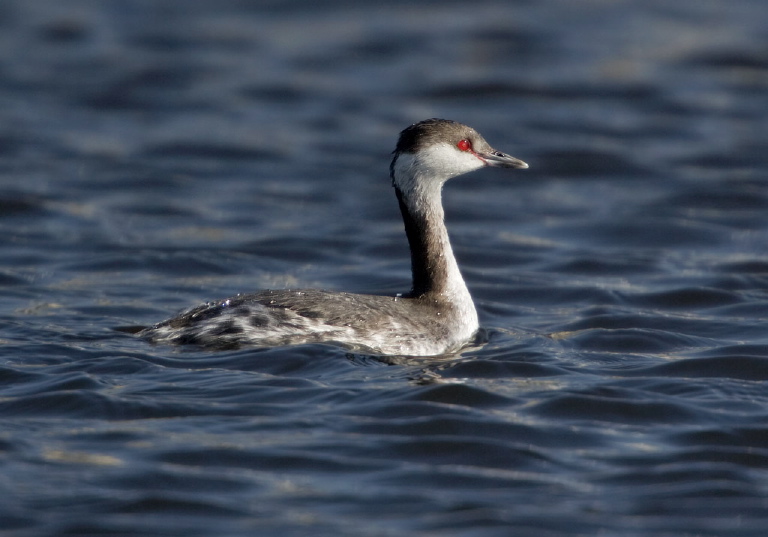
<point x="154" y="155"/>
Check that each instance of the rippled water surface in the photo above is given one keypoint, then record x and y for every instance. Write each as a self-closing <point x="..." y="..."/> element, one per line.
<point x="154" y="155"/>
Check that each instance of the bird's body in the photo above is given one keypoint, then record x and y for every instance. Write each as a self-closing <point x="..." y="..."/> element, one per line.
<point x="368" y="323"/>
<point x="436" y="317"/>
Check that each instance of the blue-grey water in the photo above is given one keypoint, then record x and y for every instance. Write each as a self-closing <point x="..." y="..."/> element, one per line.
<point x="157" y="154"/>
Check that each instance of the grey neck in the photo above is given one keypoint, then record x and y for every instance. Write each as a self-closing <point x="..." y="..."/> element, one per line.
<point x="435" y="271"/>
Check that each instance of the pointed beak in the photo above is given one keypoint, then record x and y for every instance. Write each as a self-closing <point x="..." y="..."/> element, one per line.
<point x="497" y="159"/>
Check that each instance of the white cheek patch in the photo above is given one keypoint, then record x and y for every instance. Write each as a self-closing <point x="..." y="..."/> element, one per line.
<point x="446" y="161"/>
<point x="438" y="162"/>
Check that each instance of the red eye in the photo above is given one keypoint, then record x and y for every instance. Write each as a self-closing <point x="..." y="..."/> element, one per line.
<point x="464" y="145"/>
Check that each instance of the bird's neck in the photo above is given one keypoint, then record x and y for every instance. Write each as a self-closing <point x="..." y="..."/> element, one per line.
<point x="435" y="271"/>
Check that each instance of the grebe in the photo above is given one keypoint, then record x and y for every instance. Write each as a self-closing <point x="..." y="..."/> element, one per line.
<point x="436" y="317"/>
